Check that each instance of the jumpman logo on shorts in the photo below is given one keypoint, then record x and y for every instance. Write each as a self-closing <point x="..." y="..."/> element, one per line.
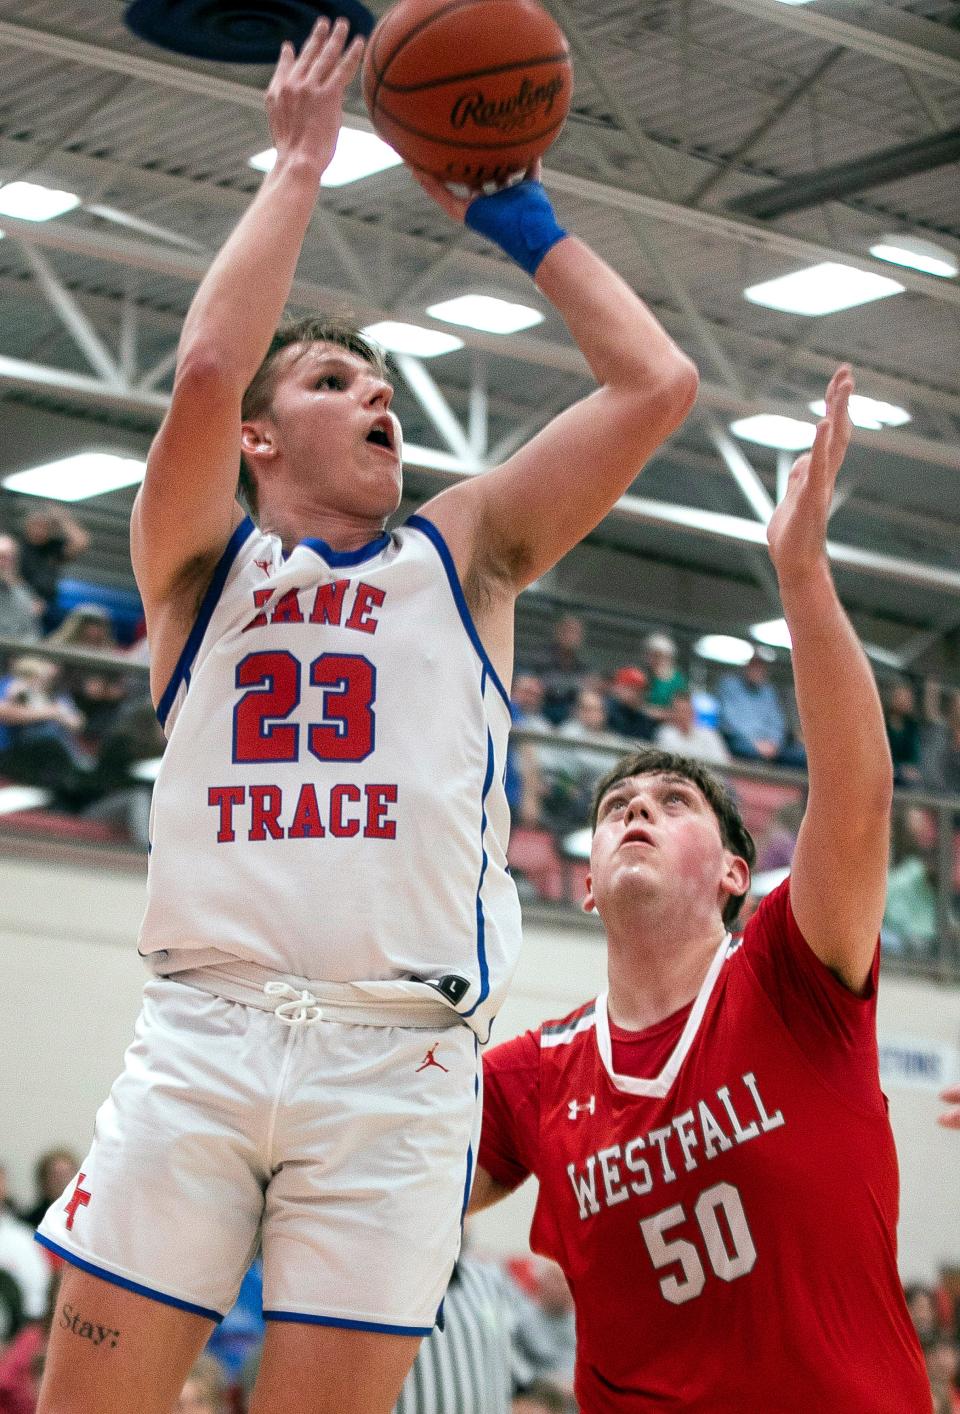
<point x="429" y="1060"/>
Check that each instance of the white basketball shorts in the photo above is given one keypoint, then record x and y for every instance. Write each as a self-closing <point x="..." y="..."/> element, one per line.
<point x="346" y="1148"/>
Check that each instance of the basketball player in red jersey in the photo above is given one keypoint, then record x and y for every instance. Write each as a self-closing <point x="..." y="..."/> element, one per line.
<point x="158" y="1232"/>
<point x="717" y="1173"/>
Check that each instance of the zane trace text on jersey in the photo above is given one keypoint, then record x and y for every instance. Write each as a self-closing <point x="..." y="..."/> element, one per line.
<point x="331" y="802"/>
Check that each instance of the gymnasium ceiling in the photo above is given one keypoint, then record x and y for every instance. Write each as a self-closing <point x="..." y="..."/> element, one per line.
<point x="684" y="112"/>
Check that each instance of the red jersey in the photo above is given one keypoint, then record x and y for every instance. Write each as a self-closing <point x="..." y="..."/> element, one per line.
<point x="721" y="1191"/>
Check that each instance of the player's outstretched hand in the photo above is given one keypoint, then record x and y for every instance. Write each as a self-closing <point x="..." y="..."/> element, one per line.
<point x="456" y="206"/>
<point x="305" y="98"/>
<point x="797" y="531"/>
<point x="950" y="1119"/>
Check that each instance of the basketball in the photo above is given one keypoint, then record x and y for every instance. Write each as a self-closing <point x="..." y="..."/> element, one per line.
<point x="471" y="91"/>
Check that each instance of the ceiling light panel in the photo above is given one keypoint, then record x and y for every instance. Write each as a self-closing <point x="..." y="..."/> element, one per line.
<point x="822" y="289"/>
<point x="78" y="477"/>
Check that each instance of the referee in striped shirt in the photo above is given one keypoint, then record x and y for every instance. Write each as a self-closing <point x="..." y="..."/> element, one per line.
<point x="470" y="1367"/>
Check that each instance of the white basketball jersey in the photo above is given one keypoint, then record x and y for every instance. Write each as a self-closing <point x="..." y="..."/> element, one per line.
<point x="330" y="803"/>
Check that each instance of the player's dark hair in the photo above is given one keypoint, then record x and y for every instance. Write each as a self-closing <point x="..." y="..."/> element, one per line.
<point x="311" y="330"/>
<point x="651" y="761"/>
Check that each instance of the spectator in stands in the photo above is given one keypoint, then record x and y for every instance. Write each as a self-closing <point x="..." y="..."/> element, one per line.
<point x="205" y="1391"/>
<point x="626" y="713"/>
<point x="121" y="792"/>
<point x="752" y="719"/>
<point x="581" y="766"/>
<point x="910" y="914"/>
<point x="681" y="732"/>
<point x="903" y="733"/>
<point x="20" y="609"/>
<point x="563" y="669"/>
<point x="39" y="731"/>
<point x="98" y="695"/>
<point x="666" y="680"/>
<point x="51" y="1174"/>
<point x="21" y="1363"/>
<point x="940" y="741"/>
<point x="50" y="539"/>
<point x="943" y="1361"/>
<point x="922" y="1305"/>
<point x="546" y="1327"/>
<point x="25" y="1262"/>
<point x="525" y="784"/>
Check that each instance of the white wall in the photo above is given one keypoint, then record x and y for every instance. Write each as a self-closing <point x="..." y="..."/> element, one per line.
<point x="70" y="980"/>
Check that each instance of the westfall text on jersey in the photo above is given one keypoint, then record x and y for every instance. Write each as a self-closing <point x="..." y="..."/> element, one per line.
<point x="689" y="1131"/>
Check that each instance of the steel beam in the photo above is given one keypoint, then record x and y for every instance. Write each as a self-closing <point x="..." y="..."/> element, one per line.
<point x="70" y="314"/>
<point x="924" y="47"/>
<point x="658" y="208"/>
<point x="424" y="388"/>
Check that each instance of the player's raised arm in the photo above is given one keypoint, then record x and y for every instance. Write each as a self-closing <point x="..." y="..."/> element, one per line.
<point x="530" y="511"/>
<point x="838" y="881"/>
<point x="186" y="509"/>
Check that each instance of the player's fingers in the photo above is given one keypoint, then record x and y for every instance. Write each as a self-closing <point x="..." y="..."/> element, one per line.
<point x="330" y="52"/>
<point x="350" y="62"/>
<point x="314" y="42"/>
<point x="285" y="61"/>
<point x="951" y="1095"/>
<point x="950" y="1120"/>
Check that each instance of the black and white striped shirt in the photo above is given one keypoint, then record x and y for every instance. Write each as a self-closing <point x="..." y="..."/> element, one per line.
<point x="470" y="1366"/>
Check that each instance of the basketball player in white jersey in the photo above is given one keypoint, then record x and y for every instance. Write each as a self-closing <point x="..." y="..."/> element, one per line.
<point x="331" y="924"/>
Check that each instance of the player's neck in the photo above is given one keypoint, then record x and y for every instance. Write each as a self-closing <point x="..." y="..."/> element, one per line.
<point x="343" y="531"/>
<point x="654" y="971"/>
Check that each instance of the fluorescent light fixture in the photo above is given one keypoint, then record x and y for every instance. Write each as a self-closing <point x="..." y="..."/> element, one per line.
<point x="724" y="648"/>
<point x="769" y="429"/>
<point x="822" y="289"/>
<point x="868" y="412"/>
<point x="16" y="798"/>
<point x="494" y="316"/>
<point x="29" y="202"/>
<point x="77" y="477"/>
<point x="397" y="337"/>
<point x="917" y="254"/>
<point x="358" y="154"/>
<point x="774" y="632"/>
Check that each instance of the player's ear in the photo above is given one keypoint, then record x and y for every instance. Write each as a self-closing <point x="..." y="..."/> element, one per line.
<point x="736" y="878"/>
<point x="257" y="440"/>
<point x="589" y="903"/>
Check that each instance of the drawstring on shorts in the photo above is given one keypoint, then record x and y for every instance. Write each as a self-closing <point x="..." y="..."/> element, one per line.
<point x="299" y="1009"/>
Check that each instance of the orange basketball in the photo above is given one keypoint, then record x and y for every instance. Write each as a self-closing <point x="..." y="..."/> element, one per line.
<point x="472" y="91"/>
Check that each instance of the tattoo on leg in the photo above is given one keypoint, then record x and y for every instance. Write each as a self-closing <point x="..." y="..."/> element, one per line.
<point x="71" y="1320"/>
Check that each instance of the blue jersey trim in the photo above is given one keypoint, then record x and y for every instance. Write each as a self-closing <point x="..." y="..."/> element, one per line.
<point x="211" y="599"/>
<point x="481" y="916"/>
<point x="338" y="558"/>
<point x="126" y="1283"/>
<point x="381" y="1326"/>
<point x="428" y="528"/>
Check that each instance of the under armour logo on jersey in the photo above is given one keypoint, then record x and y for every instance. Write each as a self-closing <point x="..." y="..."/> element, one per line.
<point x="429" y="1060"/>
<point x="574" y="1107"/>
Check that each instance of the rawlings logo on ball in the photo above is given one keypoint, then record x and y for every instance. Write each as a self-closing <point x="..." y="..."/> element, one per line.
<point x="507" y="115"/>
